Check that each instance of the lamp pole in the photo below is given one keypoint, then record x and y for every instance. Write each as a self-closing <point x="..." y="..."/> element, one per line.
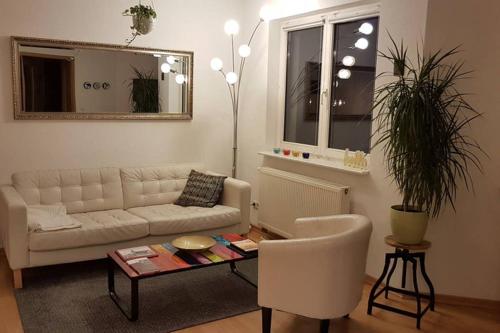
<point x="233" y="79"/>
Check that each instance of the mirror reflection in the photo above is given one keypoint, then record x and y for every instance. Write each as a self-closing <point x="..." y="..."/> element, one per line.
<point x="56" y="79"/>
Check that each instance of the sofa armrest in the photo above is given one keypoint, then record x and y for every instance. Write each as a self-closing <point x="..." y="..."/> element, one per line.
<point x="237" y="194"/>
<point x="13" y="217"/>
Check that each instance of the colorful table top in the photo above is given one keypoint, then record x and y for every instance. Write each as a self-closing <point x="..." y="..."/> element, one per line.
<point x="169" y="259"/>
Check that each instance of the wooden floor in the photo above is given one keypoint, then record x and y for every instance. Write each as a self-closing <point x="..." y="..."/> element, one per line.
<point x="446" y="319"/>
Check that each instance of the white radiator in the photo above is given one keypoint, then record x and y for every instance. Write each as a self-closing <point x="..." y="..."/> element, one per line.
<point x="286" y="196"/>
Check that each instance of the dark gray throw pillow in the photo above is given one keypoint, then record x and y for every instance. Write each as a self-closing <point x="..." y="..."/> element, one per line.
<point x="201" y="190"/>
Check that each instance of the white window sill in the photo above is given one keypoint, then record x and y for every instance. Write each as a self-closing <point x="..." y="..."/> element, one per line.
<point x="330" y="164"/>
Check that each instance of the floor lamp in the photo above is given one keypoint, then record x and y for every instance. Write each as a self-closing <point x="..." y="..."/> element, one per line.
<point x="233" y="77"/>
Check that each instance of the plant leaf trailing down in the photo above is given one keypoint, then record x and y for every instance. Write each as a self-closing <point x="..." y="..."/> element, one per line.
<point x="420" y="118"/>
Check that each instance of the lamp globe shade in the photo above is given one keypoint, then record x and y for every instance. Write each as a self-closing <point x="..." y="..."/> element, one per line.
<point x="171" y="60"/>
<point x="180" y="79"/>
<point x="344" y="74"/>
<point x="244" y="51"/>
<point x="231" y="77"/>
<point x="231" y="27"/>
<point x="366" y="28"/>
<point x="216" y="64"/>
<point x="361" y="43"/>
<point x="348" y="61"/>
<point x="165" y="68"/>
<point x="265" y="13"/>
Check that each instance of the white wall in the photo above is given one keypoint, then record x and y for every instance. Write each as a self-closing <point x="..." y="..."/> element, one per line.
<point x="463" y="259"/>
<point x="194" y="25"/>
<point x="466" y="244"/>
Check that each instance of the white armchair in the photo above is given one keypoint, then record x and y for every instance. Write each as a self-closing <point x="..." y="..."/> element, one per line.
<point x="320" y="273"/>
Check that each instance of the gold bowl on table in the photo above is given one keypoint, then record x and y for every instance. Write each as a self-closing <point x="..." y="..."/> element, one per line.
<point x="193" y="243"/>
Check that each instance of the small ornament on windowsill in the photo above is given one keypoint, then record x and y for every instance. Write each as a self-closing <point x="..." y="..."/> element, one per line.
<point x="356" y="161"/>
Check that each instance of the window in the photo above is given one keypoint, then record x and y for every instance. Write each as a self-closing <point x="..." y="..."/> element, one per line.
<point x="329" y="82"/>
<point x="303" y="79"/>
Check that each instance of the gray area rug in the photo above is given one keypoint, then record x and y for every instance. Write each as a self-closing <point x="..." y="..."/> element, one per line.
<point x="73" y="298"/>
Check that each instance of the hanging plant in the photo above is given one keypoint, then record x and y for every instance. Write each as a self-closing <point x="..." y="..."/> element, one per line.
<point x="142" y="20"/>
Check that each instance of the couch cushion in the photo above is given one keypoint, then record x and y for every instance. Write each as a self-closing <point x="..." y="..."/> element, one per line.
<point x="80" y="190"/>
<point x="154" y="185"/>
<point x="201" y="190"/>
<point x="97" y="228"/>
<point x="172" y="219"/>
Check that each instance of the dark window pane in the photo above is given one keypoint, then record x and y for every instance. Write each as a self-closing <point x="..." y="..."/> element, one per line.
<point x="353" y="77"/>
<point x="303" y="83"/>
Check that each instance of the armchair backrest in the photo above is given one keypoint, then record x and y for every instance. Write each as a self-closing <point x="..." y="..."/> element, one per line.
<point x="321" y="273"/>
<point x="310" y="227"/>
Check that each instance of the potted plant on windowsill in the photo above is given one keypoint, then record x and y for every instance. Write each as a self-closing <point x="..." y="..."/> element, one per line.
<point x="142" y="20"/>
<point x="421" y="117"/>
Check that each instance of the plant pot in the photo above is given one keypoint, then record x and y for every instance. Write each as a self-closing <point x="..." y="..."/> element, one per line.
<point x="408" y="227"/>
<point x="143" y="25"/>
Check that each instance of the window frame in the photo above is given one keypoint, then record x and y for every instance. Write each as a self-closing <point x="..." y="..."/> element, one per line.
<point x="328" y="21"/>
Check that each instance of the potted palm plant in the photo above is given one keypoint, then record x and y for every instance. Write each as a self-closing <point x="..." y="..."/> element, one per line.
<point x="144" y="97"/>
<point x="421" y="117"/>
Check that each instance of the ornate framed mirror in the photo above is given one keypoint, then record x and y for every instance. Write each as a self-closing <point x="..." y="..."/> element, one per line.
<point x="59" y="79"/>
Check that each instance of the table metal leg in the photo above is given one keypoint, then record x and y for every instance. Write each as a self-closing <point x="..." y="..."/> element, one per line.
<point x="388" y="281"/>
<point x="428" y="281"/>
<point x="371" y="299"/>
<point x="417" y="294"/>
<point x="403" y="277"/>
<point x="131" y="313"/>
<point x="134" y="300"/>
<point x="235" y="271"/>
<point x="413" y="258"/>
<point x="111" y="276"/>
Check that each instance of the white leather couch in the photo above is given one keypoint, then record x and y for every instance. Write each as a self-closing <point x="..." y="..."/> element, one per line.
<point x="117" y="207"/>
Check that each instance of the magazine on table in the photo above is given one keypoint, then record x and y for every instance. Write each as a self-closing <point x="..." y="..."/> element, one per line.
<point x="246" y="245"/>
<point x="143" y="266"/>
<point x="136" y="252"/>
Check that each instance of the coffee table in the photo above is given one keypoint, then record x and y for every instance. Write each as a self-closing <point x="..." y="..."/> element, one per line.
<point x="168" y="263"/>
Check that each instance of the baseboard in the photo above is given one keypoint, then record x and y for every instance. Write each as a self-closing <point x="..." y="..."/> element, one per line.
<point x="451" y="299"/>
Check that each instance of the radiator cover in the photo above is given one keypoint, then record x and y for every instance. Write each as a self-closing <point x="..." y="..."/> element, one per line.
<point x="286" y="196"/>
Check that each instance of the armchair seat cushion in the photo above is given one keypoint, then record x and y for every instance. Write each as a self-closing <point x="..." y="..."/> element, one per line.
<point x="173" y="219"/>
<point x="102" y="227"/>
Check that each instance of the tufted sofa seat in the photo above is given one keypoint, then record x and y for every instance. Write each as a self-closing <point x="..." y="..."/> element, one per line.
<point x="104" y="227"/>
<point x="172" y="219"/>
<point x="117" y="207"/>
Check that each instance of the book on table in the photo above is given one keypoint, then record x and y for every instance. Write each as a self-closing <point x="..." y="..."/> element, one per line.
<point x="224" y="252"/>
<point x="246" y="245"/>
<point x="143" y="266"/>
<point x="136" y="252"/>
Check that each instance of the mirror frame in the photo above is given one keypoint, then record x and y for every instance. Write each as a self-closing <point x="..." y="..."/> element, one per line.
<point x="20" y="114"/>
